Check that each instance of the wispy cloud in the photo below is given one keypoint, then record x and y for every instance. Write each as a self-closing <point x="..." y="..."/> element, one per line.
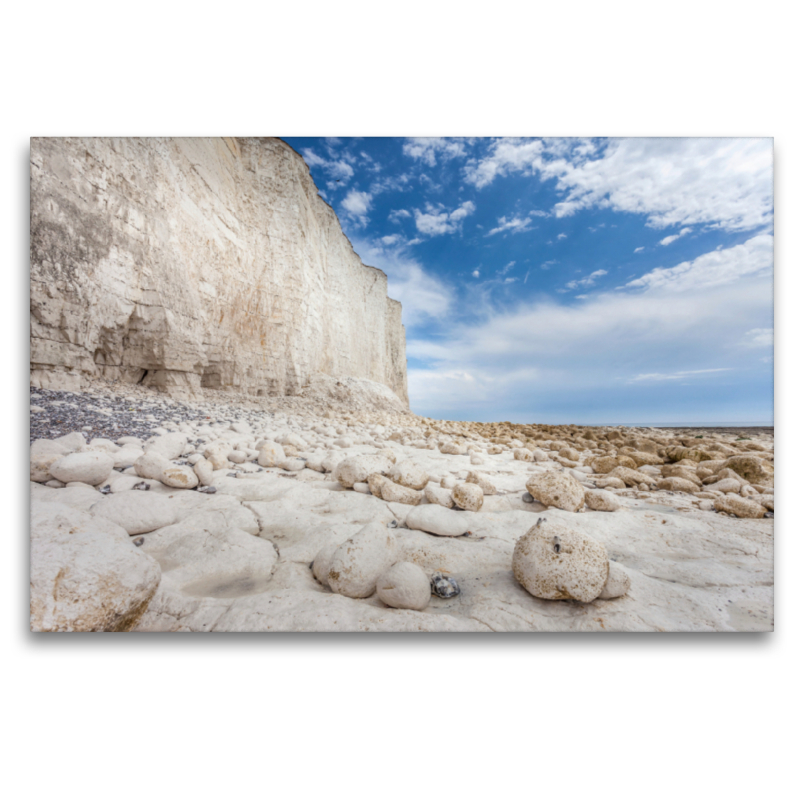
<point x="561" y="236"/>
<point x="760" y="337"/>
<point x="674" y="376"/>
<point x="588" y="281"/>
<point x="514" y="224"/>
<point x="338" y="171"/>
<point x="674" y="238"/>
<point x="639" y="250"/>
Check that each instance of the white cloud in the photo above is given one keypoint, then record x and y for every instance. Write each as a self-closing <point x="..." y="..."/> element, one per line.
<point x="674" y="238"/>
<point x="660" y="376"/>
<point x="589" y="281"/>
<point x="760" y="337"/>
<point x="423" y="295"/>
<point x="593" y="346"/>
<point x="338" y="171"/>
<point x="391" y="183"/>
<point x="506" y="268"/>
<point x="512" y="224"/>
<point x="437" y="220"/>
<point x="725" y="183"/>
<point x="476" y="273"/>
<point x="562" y="236"/>
<point x="357" y="204"/>
<point x="548" y="264"/>
<point x="392" y="239"/>
<point x="397" y="214"/>
<point x="639" y="250"/>
<point x="427" y="149"/>
<point x="716" y="268"/>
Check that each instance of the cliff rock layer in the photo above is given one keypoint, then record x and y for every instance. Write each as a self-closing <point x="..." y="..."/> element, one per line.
<point x="191" y="263"/>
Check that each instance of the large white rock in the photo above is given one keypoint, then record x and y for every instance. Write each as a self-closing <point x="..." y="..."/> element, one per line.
<point x="479" y="479"/>
<point x="169" y="445"/>
<point x="437" y="519"/>
<point x="468" y="496"/>
<point x="557" y="562"/>
<point x="556" y="489"/>
<point x="44" y="453"/>
<point x="409" y="474"/>
<point x="393" y="492"/>
<point x="439" y="496"/>
<point x="322" y="563"/>
<point x="359" y="562"/>
<point x="138" y="512"/>
<point x="357" y="469"/>
<point x="91" y="468"/>
<point x="598" y="500"/>
<point x="86" y="574"/>
<point x="270" y="454"/>
<point x="405" y="585"/>
<point x="617" y="583"/>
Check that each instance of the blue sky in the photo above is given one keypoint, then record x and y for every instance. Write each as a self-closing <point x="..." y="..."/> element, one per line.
<point x="569" y="280"/>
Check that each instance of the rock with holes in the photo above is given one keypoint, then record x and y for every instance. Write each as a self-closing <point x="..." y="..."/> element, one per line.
<point x="270" y="453"/>
<point x="751" y="468"/>
<point x="91" y="468"/>
<point x="556" y="489"/>
<point x="468" y="496"/>
<point x="677" y="485"/>
<point x="358" y="562"/>
<point x="405" y="585"/>
<point x="86" y="574"/>
<point x="598" y="500"/>
<point x="409" y="474"/>
<point x="479" y="479"/>
<point x="556" y="562"/>
<point x="739" y="507"/>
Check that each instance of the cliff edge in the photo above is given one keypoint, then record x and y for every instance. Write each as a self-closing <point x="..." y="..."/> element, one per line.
<point x="184" y="264"/>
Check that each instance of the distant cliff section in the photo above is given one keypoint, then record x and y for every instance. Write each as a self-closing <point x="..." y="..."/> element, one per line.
<point x="184" y="264"/>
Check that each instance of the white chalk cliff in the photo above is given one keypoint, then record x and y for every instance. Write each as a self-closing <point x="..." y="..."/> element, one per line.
<point x="198" y="263"/>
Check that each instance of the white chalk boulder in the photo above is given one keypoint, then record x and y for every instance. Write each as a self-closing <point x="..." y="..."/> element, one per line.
<point x="358" y="563"/>
<point x="405" y="585"/>
<point x="91" y="468"/>
<point x="556" y="489"/>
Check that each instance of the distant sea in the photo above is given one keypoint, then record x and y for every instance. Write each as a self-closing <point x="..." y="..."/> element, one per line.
<point x="728" y="424"/>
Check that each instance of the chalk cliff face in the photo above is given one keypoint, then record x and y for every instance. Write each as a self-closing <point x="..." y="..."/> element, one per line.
<point x="191" y="263"/>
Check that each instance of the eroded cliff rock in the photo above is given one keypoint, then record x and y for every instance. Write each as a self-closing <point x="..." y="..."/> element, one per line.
<point x="198" y="263"/>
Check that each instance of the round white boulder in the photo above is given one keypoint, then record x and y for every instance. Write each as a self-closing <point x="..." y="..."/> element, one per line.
<point x="409" y="474"/>
<point x="91" y="468"/>
<point x="555" y="562"/>
<point x="405" y="585"/>
<point x="358" y="468"/>
<point x="322" y="563"/>
<point x="617" y="583"/>
<point x="437" y="519"/>
<point x="270" y="454"/>
<point x="598" y="500"/>
<point x="358" y="563"/>
<point x="468" y="496"/>
<point x="556" y="489"/>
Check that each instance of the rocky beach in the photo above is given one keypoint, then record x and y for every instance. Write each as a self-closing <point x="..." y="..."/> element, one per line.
<point x="339" y="510"/>
<point x="221" y="437"/>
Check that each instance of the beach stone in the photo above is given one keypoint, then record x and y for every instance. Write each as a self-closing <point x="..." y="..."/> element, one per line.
<point x="85" y="574"/>
<point x="540" y="455"/>
<point x="751" y="468"/>
<point x="604" y="464"/>
<point x="479" y="479"/>
<point x="453" y="449"/>
<point x="726" y="485"/>
<point x="523" y="454"/>
<point x="357" y="563"/>
<point x="330" y="461"/>
<point x="631" y="477"/>
<point x="357" y="469"/>
<point x="409" y="474"/>
<point x="44" y="453"/>
<point x="444" y="586"/>
<point x="204" y="471"/>
<point x="677" y="485"/>
<point x="556" y="489"/>
<point x="439" y="496"/>
<point x="404" y="585"/>
<point x="448" y="482"/>
<point x="237" y="457"/>
<point x="322" y="563"/>
<point x="438" y="520"/>
<point x="376" y="482"/>
<point x="476" y="460"/>
<point x="610" y="483"/>
<point x="393" y="492"/>
<point x="361" y="488"/>
<point x="598" y="500"/>
<point x="91" y="468"/>
<point x="169" y="445"/>
<point x="555" y="562"/>
<point x="618" y="582"/>
<point x="739" y="507"/>
<point x="138" y="512"/>
<point x="468" y="496"/>
<point x="71" y="442"/>
<point x="270" y="454"/>
<point x="178" y="476"/>
<point x="150" y="465"/>
<point x="768" y="501"/>
<point x="722" y="474"/>
<point x="569" y="453"/>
